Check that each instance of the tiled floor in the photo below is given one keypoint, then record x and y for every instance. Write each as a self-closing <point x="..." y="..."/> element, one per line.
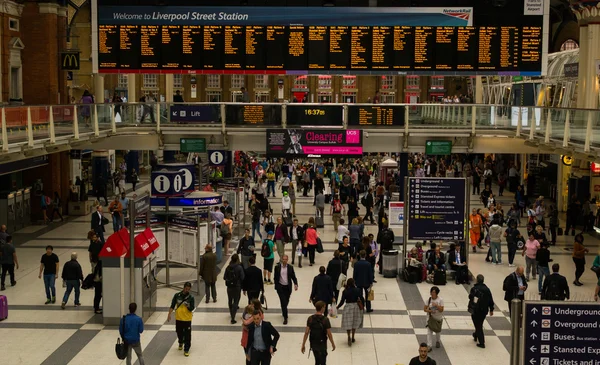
<point x="390" y="335"/>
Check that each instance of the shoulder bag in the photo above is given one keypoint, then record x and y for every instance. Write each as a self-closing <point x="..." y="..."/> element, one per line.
<point x="121" y="347"/>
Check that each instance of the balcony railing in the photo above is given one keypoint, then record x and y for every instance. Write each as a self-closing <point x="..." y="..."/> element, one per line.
<point x="31" y="125"/>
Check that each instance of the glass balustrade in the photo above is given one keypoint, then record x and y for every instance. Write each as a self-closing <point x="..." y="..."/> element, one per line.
<point x="36" y="124"/>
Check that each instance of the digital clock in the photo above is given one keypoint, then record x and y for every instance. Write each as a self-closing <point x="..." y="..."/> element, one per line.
<point x="299" y="114"/>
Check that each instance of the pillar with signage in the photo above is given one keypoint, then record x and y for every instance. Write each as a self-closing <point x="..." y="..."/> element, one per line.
<point x="436" y="209"/>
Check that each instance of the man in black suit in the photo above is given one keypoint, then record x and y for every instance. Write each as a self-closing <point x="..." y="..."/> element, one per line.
<point x="363" y="277"/>
<point x="227" y="208"/>
<point x="555" y="286"/>
<point x="514" y="286"/>
<point x="261" y="352"/>
<point x="322" y="289"/>
<point x="481" y="303"/>
<point x="253" y="281"/>
<point x="98" y="222"/>
<point x="296" y="235"/>
<point x="284" y="277"/>
<point x="458" y="263"/>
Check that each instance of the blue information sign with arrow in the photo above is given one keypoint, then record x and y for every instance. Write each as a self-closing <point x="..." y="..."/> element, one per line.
<point x="561" y="333"/>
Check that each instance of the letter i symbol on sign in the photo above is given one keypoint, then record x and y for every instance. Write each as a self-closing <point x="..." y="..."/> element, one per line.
<point x="161" y="181"/>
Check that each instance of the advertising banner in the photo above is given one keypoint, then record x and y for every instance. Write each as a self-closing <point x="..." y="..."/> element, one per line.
<point x="314" y="143"/>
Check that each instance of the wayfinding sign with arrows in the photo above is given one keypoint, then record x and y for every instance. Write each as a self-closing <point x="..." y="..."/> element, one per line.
<point x="561" y="333"/>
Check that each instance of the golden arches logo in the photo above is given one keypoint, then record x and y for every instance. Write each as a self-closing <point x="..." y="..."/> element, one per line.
<point x="70" y="61"/>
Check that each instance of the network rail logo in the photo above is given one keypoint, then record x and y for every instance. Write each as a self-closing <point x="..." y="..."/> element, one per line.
<point x="464" y="14"/>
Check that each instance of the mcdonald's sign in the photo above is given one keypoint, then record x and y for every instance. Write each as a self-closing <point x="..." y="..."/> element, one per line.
<point x="69" y="60"/>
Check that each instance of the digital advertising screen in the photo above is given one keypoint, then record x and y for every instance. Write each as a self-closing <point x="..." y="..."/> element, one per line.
<point x="314" y="143"/>
<point x="334" y="40"/>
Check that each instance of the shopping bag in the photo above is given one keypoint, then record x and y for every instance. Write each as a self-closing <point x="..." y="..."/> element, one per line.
<point x="118" y="118"/>
<point x="333" y="311"/>
<point x="371" y="296"/>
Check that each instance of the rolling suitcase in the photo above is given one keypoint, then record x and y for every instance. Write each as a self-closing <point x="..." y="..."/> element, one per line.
<point x="3" y="307"/>
<point x="319" y="222"/>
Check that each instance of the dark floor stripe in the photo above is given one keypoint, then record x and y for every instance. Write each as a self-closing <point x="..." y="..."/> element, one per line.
<point x="43" y="326"/>
<point x="159" y="347"/>
<point x="71" y="347"/>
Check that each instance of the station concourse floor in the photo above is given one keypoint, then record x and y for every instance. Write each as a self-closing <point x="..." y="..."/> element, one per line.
<point x="35" y="333"/>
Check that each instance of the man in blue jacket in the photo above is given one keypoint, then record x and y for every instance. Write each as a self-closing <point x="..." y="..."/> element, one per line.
<point x="363" y="277"/>
<point x="130" y="328"/>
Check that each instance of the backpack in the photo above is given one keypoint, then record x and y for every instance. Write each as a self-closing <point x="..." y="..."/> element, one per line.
<point x="318" y="334"/>
<point x="337" y="206"/>
<point x="477" y="304"/>
<point x="224" y="229"/>
<point x="270" y="226"/>
<point x="230" y="276"/>
<point x="554" y="292"/>
<point x="265" y="250"/>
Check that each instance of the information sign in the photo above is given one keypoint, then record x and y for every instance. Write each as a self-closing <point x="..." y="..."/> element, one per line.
<point x="192" y="144"/>
<point x="436" y="209"/>
<point x="438" y="147"/>
<point x="396" y="214"/>
<point x="194" y="113"/>
<point x="561" y="333"/>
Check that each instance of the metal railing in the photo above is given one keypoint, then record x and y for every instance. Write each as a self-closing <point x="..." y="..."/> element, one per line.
<point x="29" y="125"/>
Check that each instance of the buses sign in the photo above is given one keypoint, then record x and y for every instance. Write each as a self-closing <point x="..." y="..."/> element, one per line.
<point x="69" y="61"/>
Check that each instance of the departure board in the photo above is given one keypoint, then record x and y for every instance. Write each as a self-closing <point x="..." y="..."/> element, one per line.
<point x="298" y="114"/>
<point x="373" y="116"/>
<point x="255" y="114"/>
<point x="311" y="48"/>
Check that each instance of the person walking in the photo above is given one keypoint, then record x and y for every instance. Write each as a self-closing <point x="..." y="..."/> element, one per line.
<point x="284" y="277"/>
<point x="98" y="222"/>
<point x="318" y="328"/>
<point x="434" y="308"/>
<point x="97" y="272"/>
<point x="281" y="237"/>
<point x="530" y="251"/>
<point x="514" y="286"/>
<point x="542" y="258"/>
<point x="579" y="251"/>
<point x="9" y="260"/>
<point x="56" y="207"/>
<point x="234" y="277"/>
<point x="368" y="202"/>
<point x="183" y="306"/>
<point x="555" y="286"/>
<point x="481" y="303"/>
<point x="49" y="267"/>
<point x="323" y="289"/>
<point x="352" y="315"/>
<point x="363" y="277"/>
<point x="72" y="275"/>
<point x="553" y="224"/>
<point x="130" y="329"/>
<point x="208" y="272"/>
<point x="246" y="248"/>
<point x="310" y="238"/>
<point x="226" y="232"/>
<point x="475" y="230"/>
<point x="337" y="210"/>
<point x="296" y="235"/>
<point x="262" y="340"/>
<point x="253" y="284"/>
<point x="513" y="237"/>
<point x="335" y="268"/>
<point x="495" y="241"/>
<point x="423" y="358"/>
<point x="45" y="202"/>
<point x="269" y="257"/>
<point x="116" y="210"/>
<point x="596" y="266"/>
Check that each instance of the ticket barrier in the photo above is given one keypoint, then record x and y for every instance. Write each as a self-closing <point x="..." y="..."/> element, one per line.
<point x="116" y="278"/>
<point x="18" y="210"/>
<point x="8" y="210"/>
<point x="26" y="206"/>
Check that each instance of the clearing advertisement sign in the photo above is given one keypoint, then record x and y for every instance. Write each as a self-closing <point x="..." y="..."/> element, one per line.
<point x="314" y="143"/>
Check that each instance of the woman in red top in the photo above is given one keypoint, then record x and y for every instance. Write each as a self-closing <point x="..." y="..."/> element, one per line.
<point x="310" y="239"/>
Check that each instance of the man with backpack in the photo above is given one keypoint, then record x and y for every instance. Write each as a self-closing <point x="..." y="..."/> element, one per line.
<point x="234" y="277"/>
<point x="267" y="251"/>
<point x="318" y="329"/>
<point x="555" y="286"/>
<point x="480" y="302"/>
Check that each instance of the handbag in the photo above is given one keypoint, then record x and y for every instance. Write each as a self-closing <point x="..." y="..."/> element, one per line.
<point x="342" y="278"/>
<point x="121" y="347"/>
<point x="360" y="304"/>
<point x="596" y="269"/>
<point x="432" y="323"/>
<point x="371" y="296"/>
<point x="88" y="282"/>
<point x="263" y="301"/>
<point x="319" y="246"/>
